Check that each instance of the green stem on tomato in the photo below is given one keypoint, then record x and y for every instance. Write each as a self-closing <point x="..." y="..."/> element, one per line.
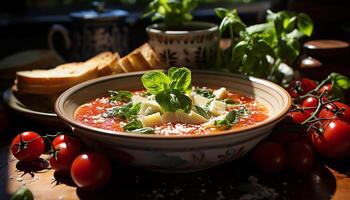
<point x="318" y="109"/>
<point x="318" y="87"/>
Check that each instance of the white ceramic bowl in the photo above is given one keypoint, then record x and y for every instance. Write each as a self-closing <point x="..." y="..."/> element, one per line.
<point x="175" y="154"/>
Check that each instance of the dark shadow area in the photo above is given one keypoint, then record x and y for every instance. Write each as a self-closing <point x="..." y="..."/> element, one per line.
<point x="223" y="182"/>
<point x="32" y="167"/>
<point x="63" y="178"/>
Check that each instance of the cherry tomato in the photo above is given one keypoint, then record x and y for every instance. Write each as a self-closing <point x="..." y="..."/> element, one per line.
<point x="269" y="157"/>
<point x="29" y="148"/>
<point x="65" y="154"/>
<point x="310" y="102"/>
<point x="327" y="87"/>
<point x="91" y="170"/>
<point x="301" y="87"/>
<point x="331" y="109"/>
<point x="334" y="142"/>
<point x="299" y="116"/>
<point x="300" y="157"/>
<point x="66" y="138"/>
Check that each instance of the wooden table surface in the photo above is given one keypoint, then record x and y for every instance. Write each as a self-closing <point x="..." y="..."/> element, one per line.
<point x="324" y="182"/>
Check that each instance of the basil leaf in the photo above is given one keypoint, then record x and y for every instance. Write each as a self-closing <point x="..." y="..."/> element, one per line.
<point x="226" y="123"/>
<point x="180" y="79"/>
<point x="172" y="100"/>
<point x="340" y="80"/>
<point x="128" y="111"/>
<point x="305" y="24"/>
<point x="171" y="71"/>
<point x="135" y="124"/>
<point x="204" y="92"/>
<point x="133" y="111"/>
<point x="337" y="92"/>
<point x="23" y="194"/>
<point x="289" y="23"/>
<point x="230" y="101"/>
<point x="155" y="81"/>
<point x="259" y="28"/>
<point x="121" y="95"/>
<point x="221" y="12"/>
<point x="202" y="112"/>
<point x="145" y="130"/>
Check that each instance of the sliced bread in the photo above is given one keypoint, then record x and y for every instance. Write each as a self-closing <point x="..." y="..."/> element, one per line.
<point x="125" y="64"/>
<point x="55" y="80"/>
<point x="104" y="62"/>
<point x="150" y="56"/>
<point x="137" y="61"/>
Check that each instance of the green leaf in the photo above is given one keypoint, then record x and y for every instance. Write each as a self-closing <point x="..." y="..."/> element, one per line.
<point x="145" y="130"/>
<point x="226" y="123"/>
<point x="135" y="124"/>
<point x="172" y="100"/>
<point x="173" y="12"/>
<point x="239" y="50"/>
<point x="221" y="12"/>
<point x="155" y="81"/>
<point x="128" y="111"/>
<point x="204" y="93"/>
<point x="305" y="24"/>
<point x="202" y="112"/>
<point x="289" y="23"/>
<point x="180" y="79"/>
<point x="340" y="80"/>
<point x="337" y="92"/>
<point x="230" y="101"/>
<point x="259" y="28"/>
<point x="23" y="194"/>
<point x="121" y="95"/>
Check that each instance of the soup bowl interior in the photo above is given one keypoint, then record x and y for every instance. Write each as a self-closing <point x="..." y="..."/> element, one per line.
<point x="172" y="154"/>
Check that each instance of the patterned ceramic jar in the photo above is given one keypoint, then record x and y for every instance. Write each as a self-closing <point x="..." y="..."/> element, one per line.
<point x="187" y="48"/>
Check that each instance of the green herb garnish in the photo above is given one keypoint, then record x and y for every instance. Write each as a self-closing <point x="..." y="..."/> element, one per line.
<point x="204" y="92"/>
<point x="204" y="113"/>
<point x="231" y="118"/>
<point x="133" y="125"/>
<point x="170" y="90"/>
<point x="230" y="101"/>
<point x="128" y="111"/>
<point x="226" y="123"/>
<point x="121" y="95"/>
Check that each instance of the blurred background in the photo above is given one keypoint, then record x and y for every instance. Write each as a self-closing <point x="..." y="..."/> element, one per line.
<point x="25" y="24"/>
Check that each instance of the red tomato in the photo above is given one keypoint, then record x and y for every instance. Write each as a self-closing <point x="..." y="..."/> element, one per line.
<point x="91" y="170"/>
<point x="301" y="87"/>
<point x="335" y="140"/>
<point x="66" y="138"/>
<point x="300" y="157"/>
<point x="327" y="87"/>
<point x="269" y="157"/>
<point x="310" y="102"/>
<point x="299" y="116"/>
<point x="30" y="148"/>
<point x="331" y="109"/>
<point x="63" y="158"/>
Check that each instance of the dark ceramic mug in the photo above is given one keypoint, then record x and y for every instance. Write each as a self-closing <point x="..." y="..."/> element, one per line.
<point x="92" y="32"/>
